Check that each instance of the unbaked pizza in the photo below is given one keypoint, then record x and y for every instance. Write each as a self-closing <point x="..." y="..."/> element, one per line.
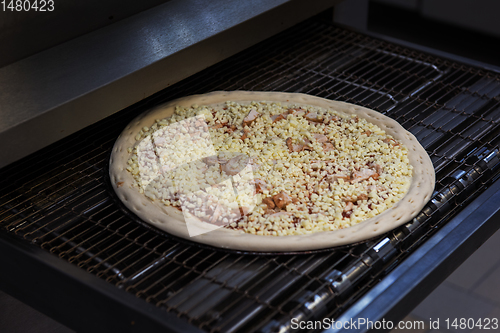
<point x="263" y="171"/>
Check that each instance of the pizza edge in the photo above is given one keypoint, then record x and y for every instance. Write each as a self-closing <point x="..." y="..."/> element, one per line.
<point x="171" y="220"/>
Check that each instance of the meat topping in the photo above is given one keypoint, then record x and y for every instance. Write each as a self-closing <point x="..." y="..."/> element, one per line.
<point x="297" y="147"/>
<point x="321" y="138"/>
<point x="281" y="200"/>
<point x="211" y="160"/>
<point x="362" y="196"/>
<point x="332" y="119"/>
<point x="277" y="117"/>
<point x="378" y="169"/>
<point x="349" y="205"/>
<point x="314" y="117"/>
<point x="251" y="116"/>
<point x="289" y="144"/>
<point x="235" y="165"/>
<point x="245" y="134"/>
<point x="328" y="146"/>
<point x="260" y="185"/>
<point x="299" y="112"/>
<point x="364" y="174"/>
<point x="218" y="125"/>
<point x="335" y="177"/>
<point x="392" y="141"/>
<point x="269" y="202"/>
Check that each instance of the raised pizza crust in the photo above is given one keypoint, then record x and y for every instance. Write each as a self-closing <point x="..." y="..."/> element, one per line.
<point x="171" y="220"/>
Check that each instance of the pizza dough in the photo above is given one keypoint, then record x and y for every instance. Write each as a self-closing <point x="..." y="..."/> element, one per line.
<point x="175" y="221"/>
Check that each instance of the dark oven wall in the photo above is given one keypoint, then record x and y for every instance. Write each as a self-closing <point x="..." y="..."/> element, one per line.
<point x="30" y="28"/>
<point x="453" y="26"/>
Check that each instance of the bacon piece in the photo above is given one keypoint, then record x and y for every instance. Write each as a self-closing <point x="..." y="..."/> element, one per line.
<point x="230" y="129"/>
<point x="269" y="202"/>
<point x="251" y="116"/>
<point x="328" y="146"/>
<point x="297" y="147"/>
<point x="222" y="160"/>
<point x="346" y="215"/>
<point x="391" y="140"/>
<point x="234" y="165"/>
<point x="245" y="134"/>
<point x="378" y="168"/>
<point x="260" y="185"/>
<point x="297" y="112"/>
<point x="364" y="174"/>
<point x="306" y="145"/>
<point x="314" y="117"/>
<point x="218" y="125"/>
<point x="278" y="117"/>
<point x="362" y="196"/>
<point x="335" y="177"/>
<point x="368" y="133"/>
<point x="289" y="144"/>
<point x="281" y="200"/>
<point x="332" y="118"/>
<point x="321" y="138"/>
<point x="210" y="160"/>
<point x="349" y="205"/>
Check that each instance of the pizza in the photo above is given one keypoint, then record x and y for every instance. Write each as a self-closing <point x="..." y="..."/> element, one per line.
<point x="267" y="171"/>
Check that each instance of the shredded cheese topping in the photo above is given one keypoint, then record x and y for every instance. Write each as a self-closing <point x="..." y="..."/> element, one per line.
<point x="270" y="169"/>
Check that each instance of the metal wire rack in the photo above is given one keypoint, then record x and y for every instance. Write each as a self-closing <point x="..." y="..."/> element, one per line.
<point x="58" y="199"/>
